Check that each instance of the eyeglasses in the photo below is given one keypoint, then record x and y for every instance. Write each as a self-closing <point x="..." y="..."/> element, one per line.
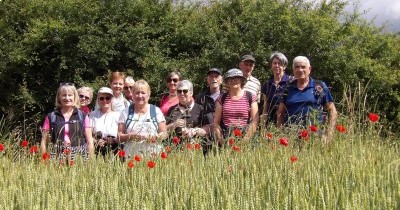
<point x="128" y="87"/>
<point x="84" y="97"/>
<point x="182" y="91"/>
<point x="169" y="80"/>
<point x="107" y="98"/>
<point x="67" y="84"/>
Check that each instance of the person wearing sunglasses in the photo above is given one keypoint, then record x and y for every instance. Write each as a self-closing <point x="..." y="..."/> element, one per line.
<point x="67" y="127"/>
<point x="85" y="98"/>
<point x="142" y="125"/>
<point x="170" y="99"/>
<point x="128" y="86"/>
<point x="235" y="110"/>
<point x="185" y="119"/>
<point x="104" y="122"/>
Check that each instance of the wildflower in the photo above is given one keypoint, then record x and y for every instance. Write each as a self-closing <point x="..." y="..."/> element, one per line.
<point x="304" y="134"/>
<point x="293" y="159"/>
<point x="67" y="151"/>
<point x="189" y="146"/>
<point x="138" y="158"/>
<point x="71" y="163"/>
<point x="164" y="155"/>
<point x="197" y="146"/>
<point x="152" y="139"/>
<point x="313" y="128"/>
<point x="46" y="156"/>
<point x="237" y="132"/>
<point x="373" y="117"/>
<point x="269" y="136"/>
<point x="34" y="149"/>
<point x="151" y="164"/>
<point x="121" y="153"/>
<point x="1" y="147"/>
<point x="284" y="142"/>
<point x="130" y="164"/>
<point x="231" y="142"/>
<point x="236" y="148"/>
<point x="168" y="149"/>
<point x="24" y="143"/>
<point x="341" y="128"/>
<point x="176" y="140"/>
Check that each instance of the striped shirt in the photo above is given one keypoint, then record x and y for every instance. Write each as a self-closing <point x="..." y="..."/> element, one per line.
<point x="235" y="112"/>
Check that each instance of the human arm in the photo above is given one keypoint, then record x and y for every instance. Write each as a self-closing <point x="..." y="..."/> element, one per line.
<point x="332" y="116"/>
<point x="264" y="111"/>
<point x="89" y="141"/>
<point x="45" y="135"/>
<point x="280" y="115"/>
<point x="217" y="121"/>
<point x="253" y="121"/>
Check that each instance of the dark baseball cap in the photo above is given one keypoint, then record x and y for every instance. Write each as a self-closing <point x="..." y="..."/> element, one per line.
<point x="217" y="70"/>
<point x="248" y="58"/>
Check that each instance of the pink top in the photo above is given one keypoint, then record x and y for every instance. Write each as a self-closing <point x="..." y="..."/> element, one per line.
<point x="67" y="139"/>
<point x="165" y="104"/>
<point x="236" y="112"/>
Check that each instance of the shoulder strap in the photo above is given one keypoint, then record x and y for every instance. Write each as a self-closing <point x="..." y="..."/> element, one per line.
<point x="223" y="98"/>
<point x="81" y="117"/>
<point x="153" y="115"/>
<point x="130" y="116"/>
<point x="249" y="96"/>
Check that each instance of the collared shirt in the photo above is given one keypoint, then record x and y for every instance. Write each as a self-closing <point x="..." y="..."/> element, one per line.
<point x="253" y="85"/>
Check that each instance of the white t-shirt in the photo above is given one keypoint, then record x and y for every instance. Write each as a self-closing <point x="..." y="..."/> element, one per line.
<point x="107" y="123"/>
<point x="142" y="125"/>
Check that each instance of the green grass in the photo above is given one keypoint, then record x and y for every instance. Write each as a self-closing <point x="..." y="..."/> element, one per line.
<point x="354" y="171"/>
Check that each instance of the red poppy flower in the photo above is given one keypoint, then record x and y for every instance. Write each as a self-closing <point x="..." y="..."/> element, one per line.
<point x="197" y="146"/>
<point x="231" y="142"/>
<point x="304" y="134"/>
<point x="176" y="140"/>
<point x="152" y="139"/>
<point x="313" y="128"/>
<point x="373" y="117"/>
<point x="67" y="151"/>
<point x="138" y="158"/>
<point x="151" y="164"/>
<point x="1" y="147"/>
<point x="269" y="136"/>
<point x="130" y="164"/>
<point x="164" y="155"/>
<point x="236" y="148"/>
<point x="71" y="163"/>
<point x="46" y="156"/>
<point x="237" y="132"/>
<point x="284" y="142"/>
<point x="341" y="128"/>
<point x="24" y="143"/>
<point x="34" y="149"/>
<point x="293" y="159"/>
<point x="121" y="153"/>
<point x="189" y="146"/>
<point x="168" y="149"/>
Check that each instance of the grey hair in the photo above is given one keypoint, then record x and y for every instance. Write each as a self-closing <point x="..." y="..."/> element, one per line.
<point x="280" y="56"/>
<point x="129" y="80"/>
<point x="300" y="59"/>
<point x="87" y="89"/>
<point x="185" y="83"/>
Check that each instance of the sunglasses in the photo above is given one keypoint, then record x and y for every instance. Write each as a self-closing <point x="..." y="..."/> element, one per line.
<point x="107" y="98"/>
<point x="84" y="97"/>
<point x="169" y="80"/>
<point x="182" y="91"/>
<point x="67" y="84"/>
<point x="128" y="87"/>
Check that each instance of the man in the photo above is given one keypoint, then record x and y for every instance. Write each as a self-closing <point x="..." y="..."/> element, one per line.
<point x="207" y="100"/>
<point x="306" y="100"/>
<point x="252" y="85"/>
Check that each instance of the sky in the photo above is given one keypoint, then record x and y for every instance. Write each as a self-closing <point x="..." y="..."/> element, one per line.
<point x="384" y="11"/>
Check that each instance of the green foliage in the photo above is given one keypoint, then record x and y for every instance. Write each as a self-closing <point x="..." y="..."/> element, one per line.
<point x="43" y="43"/>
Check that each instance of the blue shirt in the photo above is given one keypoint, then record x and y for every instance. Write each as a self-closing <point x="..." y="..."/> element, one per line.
<point x="301" y="104"/>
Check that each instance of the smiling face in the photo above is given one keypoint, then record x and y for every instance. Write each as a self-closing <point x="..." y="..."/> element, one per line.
<point x="185" y="96"/>
<point x="277" y="68"/>
<point x="301" y="69"/>
<point x="104" y="100"/>
<point x="84" y="98"/>
<point x="234" y="82"/>
<point x="214" y="80"/>
<point x="172" y="81"/>
<point x="128" y="90"/>
<point x="141" y="95"/>
<point x="117" y="86"/>
<point x="247" y="67"/>
<point x="67" y="98"/>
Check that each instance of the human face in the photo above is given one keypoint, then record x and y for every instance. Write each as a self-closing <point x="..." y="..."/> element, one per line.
<point x="104" y="100"/>
<point x="247" y="67"/>
<point x="234" y="83"/>
<point x="128" y="91"/>
<point x="301" y="70"/>
<point x="141" y="96"/>
<point x="172" y="82"/>
<point x="277" y="67"/>
<point x="116" y="86"/>
<point x="84" y="98"/>
<point x="67" y="98"/>
<point x="185" y="96"/>
<point x="214" y="80"/>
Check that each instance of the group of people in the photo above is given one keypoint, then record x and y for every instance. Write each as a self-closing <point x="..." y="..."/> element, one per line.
<point x="124" y="119"/>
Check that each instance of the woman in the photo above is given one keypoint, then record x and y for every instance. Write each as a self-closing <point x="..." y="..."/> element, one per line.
<point x="186" y="118"/>
<point x="85" y="97"/>
<point x="236" y="109"/>
<point x="116" y="82"/>
<point x="67" y="126"/>
<point x="104" y="122"/>
<point x="272" y="89"/>
<point x="170" y="99"/>
<point x="128" y="85"/>
<point x="142" y="125"/>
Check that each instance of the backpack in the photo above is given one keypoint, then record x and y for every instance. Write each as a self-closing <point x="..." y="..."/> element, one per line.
<point x="53" y="121"/>
<point x="131" y="113"/>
